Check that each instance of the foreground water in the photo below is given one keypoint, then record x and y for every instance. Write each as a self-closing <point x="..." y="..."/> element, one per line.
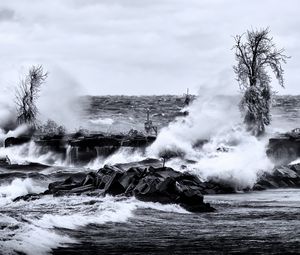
<point x="254" y="223"/>
<point x="266" y="222"/>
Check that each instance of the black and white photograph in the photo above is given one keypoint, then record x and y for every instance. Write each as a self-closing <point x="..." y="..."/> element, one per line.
<point x="149" y="127"/>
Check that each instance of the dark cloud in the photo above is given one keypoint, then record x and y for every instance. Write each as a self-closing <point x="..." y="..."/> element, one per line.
<point x="6" y="14"/>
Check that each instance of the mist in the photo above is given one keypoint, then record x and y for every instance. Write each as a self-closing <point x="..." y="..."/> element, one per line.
<point x="59" y="97"/>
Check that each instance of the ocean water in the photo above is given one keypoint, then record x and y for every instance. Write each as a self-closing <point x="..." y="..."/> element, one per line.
<point x="266" y="222"/>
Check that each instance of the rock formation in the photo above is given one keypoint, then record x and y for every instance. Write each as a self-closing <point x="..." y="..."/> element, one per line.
<point x="146" y="183"/>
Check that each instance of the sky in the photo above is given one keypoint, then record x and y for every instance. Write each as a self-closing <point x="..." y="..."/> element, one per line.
<point x="102" y="47"/>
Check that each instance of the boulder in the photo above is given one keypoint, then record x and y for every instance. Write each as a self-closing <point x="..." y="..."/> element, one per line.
<point x="283" y="149"/>
<point x="281" y="177"/>
<point x="109" y="180"/>
<point x="28" y="197"/>
<point x="147" y="183"/>
<point x="14" y="141"/>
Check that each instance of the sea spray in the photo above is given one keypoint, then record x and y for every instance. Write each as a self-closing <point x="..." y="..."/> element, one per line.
<point x="230" y="154"/>
<point x="19" y="187"/>
<point x="207" y="116"/>
<point x="102" y="121"/>
<point x="123" y="155"/>
<point x="30" y="152"/>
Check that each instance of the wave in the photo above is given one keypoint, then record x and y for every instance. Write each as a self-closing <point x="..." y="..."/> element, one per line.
<point x="229" y="153"/>
<point x="43" y="220"/>
<point x="100" y="121"/>
<point x="19" y="187"/>
<point x="30" y="152"/>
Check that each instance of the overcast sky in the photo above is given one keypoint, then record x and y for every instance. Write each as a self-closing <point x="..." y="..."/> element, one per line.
<point x="140" y="46"/>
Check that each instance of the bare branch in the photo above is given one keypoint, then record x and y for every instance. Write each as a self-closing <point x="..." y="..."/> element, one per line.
<point x="27" y="94"/>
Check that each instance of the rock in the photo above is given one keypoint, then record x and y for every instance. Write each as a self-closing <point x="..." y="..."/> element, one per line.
<point x="285" y="172"/>
<point x="295" y="167"/>
<point x="281" y="177"/>
<point x="162" y="184"/>
<point x="14" y="141"/>
<point x="5" y="161"/>
<point x="68" y="184"/>
<point x="200" y="207"/>
<point x="140" y="164"/>
<point x="258" y="187"/>
<point x="90" y="179"/>
<point x="108" y="181"/>
<point x="283" y="149"/>
<point x="131" y="178"/>
<point x="28" y="197"/>
<point x="76" y="190"/>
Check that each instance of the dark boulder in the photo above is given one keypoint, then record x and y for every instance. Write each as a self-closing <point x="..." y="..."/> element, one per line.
<point x="28" y="197"/>
<point x="280" y="177"/>
<point x="109" y="181"/>
<point x="14" y="141"/>
<point x="68" y="184"/>
<point x="284" y="148"/>
<point x="162" y="184"/>
<point x="140" y="164"/>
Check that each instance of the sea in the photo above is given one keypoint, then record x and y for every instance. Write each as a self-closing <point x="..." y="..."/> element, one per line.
<point x="260" y="222"/>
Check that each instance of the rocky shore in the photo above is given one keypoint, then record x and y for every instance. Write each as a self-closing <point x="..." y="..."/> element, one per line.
<point x="81" y="148"/>
<point x="148" y="180"/>
<point x="146" y="183"/>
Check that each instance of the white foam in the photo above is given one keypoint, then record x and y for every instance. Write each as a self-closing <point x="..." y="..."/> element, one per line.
<point x="40" y="232"/>
<point x="297" y="161"/>
<point x="124" y="155"/>
<point x="30" y="152"/>
<point x="13" y="133"/>
<point x="18" y="187"/>
<point x="34" y="240"/>
<point x="100" y="121"/>
<point x="215" y="119"/>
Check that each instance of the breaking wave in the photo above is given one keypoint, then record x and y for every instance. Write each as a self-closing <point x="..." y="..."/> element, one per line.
<point x="211" y="143"/>
<point x="66" y="213"/>
<point x="100" y="121"/>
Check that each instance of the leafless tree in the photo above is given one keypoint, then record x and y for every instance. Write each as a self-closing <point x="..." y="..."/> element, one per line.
<point x="27" y="95"/>
<point x="255" y="54"/>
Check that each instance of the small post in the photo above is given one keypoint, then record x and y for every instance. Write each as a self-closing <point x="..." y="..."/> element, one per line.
<point x="148" y="115"/>
<point x="187" y="97"/>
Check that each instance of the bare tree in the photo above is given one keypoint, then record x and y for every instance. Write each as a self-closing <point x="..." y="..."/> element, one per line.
<point x="255" y="53"/>
<point x="27" y="95"/>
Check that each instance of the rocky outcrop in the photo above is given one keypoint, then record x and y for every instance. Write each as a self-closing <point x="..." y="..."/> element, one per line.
<point x="83" y="148"/>
<point x="284" y="148"/>
<point x="15" y="141"/>
<point x="23" y="167"/>
<point x="281" y="177"/>
<point x="155" y="184"/>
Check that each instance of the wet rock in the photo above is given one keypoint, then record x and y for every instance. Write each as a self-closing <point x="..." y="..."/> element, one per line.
<point x="162" y="184"/>
<point x="140" y="164"/>
<point x="68" y="184"/>
<point x="284" y="148"/>
<point x="281" y="177"/>
<point x="28" y="197"/>
<point x="76" y="190"/>
<point x="14" y="141"/>
<point x="109" y="180"/>
<point x="295" y="167"/>
<point x="29" y="166"/>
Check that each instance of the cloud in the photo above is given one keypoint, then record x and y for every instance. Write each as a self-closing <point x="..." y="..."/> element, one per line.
<point x="6" y="14"/>
<point x="141" y="46"/>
